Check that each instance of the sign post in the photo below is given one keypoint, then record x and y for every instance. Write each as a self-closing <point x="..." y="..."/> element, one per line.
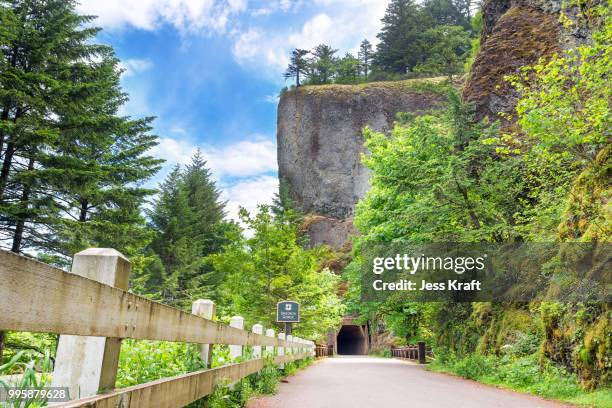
<point x="288" y="312"/>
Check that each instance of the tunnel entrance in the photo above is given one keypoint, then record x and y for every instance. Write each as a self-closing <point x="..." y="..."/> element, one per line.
<point x="351" y="340"/>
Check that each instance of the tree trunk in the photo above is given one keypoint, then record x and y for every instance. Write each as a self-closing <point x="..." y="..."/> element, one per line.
<point x="23" y="203"/>
<point x="6" y="168"/>
<point x="3" y="118"/>
<point x="83" y="212"/>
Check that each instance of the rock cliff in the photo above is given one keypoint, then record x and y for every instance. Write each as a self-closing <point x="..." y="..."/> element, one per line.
<point x="319" y="127"/>
<point x="516" y="33"/>
<point x="320" y="144"/>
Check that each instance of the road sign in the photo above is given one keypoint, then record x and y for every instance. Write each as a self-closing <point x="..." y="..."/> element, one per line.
<point x="288" y="311"/>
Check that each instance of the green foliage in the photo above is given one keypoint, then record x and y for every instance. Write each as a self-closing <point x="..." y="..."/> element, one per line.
<point x="142" y="361"/>
<point x="322" y="66"/>
<point x="271" y="266"/>
<point x="565" y="101"/>
<point x="443" y="177"/>
<point x="365" y="55"/>
<point x="28" y="379"/>
<point x="298" y="66"/>
<point x="448" y="49"/>
<point x="188" y="221"/>
<point x="71" y="166"/>
<point x="410" y="29"/>
<point x="348" y="70"/>
<point x="524" y="374"/>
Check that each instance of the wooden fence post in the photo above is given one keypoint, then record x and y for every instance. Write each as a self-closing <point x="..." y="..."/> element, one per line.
<point x="422" y="359"/>
<point x="270" y="349"/>
<point x="258" y="329"/>
<point x="281" y="349"/>
<point x="234" y="349"/>
<point x="88" y="364"/>
<point x="205" y="308"/>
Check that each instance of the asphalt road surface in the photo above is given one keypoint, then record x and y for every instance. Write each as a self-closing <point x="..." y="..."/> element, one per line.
<point x="362" y="381"/>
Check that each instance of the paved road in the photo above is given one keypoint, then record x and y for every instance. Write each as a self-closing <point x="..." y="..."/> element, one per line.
<point x="360" y="381"/>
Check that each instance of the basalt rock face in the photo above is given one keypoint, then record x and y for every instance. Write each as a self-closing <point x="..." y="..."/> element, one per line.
<point x="516" y="33"/>
<point x="320" y="144"/>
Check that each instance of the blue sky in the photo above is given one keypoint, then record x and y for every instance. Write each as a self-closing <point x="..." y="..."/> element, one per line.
<point x="210" y="70"/>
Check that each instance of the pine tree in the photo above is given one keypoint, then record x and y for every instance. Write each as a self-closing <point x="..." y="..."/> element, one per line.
<point x="323" y="64"/>
<point x="298" y="65"/>
<point x="70" y="165"/>
<point x="188" y="220"/>
<point x="348" y="70"/>
<point x="398" y="49"/>
<point x="447" y="12"/>
<point x="365" y="57"/>
<point x="448" y="48"/>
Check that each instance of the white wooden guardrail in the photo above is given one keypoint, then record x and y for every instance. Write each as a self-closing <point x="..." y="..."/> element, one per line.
<point x="92" y="310"/>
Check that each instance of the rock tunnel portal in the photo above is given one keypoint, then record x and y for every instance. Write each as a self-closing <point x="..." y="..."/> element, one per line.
<point x="351" y="340"/>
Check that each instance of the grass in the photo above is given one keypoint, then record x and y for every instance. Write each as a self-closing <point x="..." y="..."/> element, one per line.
<point x="524" y="374"/>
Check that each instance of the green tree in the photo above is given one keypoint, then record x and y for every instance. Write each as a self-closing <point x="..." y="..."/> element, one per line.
<point x="271" y="266"/>
<point x="348" y="70"/>
<point x="447" y="12"/>
<point x="448" y="49"/>
<point x="188" y="221"/>
<point x="298" y="66"/>
<point x="70" y="164"/>
<point x="365" y="57"/>
<point x="322" y="66"/>
<point x="399" y="49"/>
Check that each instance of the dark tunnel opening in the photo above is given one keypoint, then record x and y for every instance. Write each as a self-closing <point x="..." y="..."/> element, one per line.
<point x="351" y="340"/>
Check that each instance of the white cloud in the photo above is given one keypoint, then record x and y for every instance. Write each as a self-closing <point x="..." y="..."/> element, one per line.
<point x="185" y="15"/>
<point x="272" y="98"/>
<point x="249" y="193"/>
<point x="134" y="66"/>
<point x="245" y="158"/>
<point x="242" y="169"/>
<point x="343" y="24"/>
<point x="315" y="31"/>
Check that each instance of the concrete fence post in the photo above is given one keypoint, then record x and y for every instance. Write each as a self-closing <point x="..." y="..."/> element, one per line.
<point x="234" y="349"/>
<point x="257" y="329"/>
<point x="422" y="357"/>
<point x="270" y="349"/>
<point x="289" y="350"/>
<point x="281" y="349"/>
<point x="86" y="364"/>
<point x="205" y="308"/>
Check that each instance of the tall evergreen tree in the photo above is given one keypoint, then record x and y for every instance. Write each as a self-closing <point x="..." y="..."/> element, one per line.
<point x="448" y="47"/>
<point x="298" y="66"/>
<point x="365" y="57"/>
<point x="399" y="49"/>
<point x="70" y="165"/>
<point x="188" y="220"/>
<point x="348" y="69"/>
<point x="323" y="64"/>
<point x="447" y="12"/>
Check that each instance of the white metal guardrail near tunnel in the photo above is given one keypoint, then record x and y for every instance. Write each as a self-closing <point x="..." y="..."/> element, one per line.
<point x="92" y="311"/>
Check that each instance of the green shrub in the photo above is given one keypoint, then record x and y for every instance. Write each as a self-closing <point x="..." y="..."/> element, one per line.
<point x="141" y="361"/>
<point x="474" y="366"/>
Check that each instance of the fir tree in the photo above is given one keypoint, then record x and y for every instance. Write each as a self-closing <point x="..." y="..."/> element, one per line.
<point x="323" y="64"/>
<point x="365" y="57"/>
<point x="398" y="49"/>
<point x="188" y="220"/>
<point x="348" y="70"/>
<point x="298" y="66"/>
<point x="70" y="165"/>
